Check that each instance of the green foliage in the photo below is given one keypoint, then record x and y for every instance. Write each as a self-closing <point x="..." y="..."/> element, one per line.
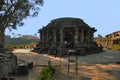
<point x="115" y="47"/>
<point x="47" y="72"/>
<point x="16" y="10"/>
<point x="19" y="43"/>
<point x="13" y="12"/>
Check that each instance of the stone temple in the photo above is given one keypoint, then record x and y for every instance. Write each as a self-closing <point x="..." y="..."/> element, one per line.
<point x="66" y="33"/>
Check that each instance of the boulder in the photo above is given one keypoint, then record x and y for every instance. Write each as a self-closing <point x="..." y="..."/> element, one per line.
<point x="22" y="69"/>
<point x="1" y="46"/>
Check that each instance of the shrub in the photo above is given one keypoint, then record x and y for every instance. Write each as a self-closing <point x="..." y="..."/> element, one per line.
<point x="116" y="47"/>
<point x="47" y="72"/>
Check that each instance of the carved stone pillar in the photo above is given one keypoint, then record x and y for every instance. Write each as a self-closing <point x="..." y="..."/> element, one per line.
<point x="76" y="35"/>
<point x="61" y="37"/>
<point x="47" y="39"/>
<point x="43" y="37"/>
<point x="46" y="35"/>
<point x="89" y="35"/>
<point x="92" y="32"/>
<point x="82" y="35"/>
<point x="54" y="36"/>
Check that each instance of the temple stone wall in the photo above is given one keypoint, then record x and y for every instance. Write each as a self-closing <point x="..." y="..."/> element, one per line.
<point x="67" y="33"/>
<point x="66" y="36"/>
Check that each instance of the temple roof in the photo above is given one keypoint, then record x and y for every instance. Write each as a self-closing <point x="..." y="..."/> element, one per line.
<point x="66" y="21"/>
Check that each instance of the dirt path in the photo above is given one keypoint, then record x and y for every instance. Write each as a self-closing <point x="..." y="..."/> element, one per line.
<point x="38" y="61"/>
<point x="100" y="66"/>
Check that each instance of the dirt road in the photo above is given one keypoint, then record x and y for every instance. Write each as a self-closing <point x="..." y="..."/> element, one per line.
<point x="99" y="66"/>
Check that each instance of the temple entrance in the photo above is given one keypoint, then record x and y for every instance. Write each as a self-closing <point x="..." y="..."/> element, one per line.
<point x="69" y="33"/>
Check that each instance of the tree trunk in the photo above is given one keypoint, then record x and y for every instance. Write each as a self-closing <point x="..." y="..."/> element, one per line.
<point x="2" y="36"/>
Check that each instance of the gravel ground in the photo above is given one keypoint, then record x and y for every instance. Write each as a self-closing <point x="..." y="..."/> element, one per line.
<point x="99" y="66"/>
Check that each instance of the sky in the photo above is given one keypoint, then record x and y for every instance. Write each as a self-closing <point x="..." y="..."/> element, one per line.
<point x="104" y="15"/>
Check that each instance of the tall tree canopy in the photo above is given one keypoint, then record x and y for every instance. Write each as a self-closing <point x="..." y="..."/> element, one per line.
<point x="12" y="13"/>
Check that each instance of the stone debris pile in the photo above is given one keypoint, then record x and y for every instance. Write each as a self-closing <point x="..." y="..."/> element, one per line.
<point x="8" y="63"/>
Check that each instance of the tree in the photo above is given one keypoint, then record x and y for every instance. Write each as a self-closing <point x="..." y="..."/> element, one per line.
<point x="19" y="35"/>
<point x="1" y="4"/>
<point x="13" y="34"/>
<point x="12" y="13"/>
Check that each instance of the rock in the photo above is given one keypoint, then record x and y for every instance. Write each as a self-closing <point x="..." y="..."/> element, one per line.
<point x="30" y="65"/>
<point x="8" y="63"/>
<point x="1" y="46"/>
<point x="22" y="69"/>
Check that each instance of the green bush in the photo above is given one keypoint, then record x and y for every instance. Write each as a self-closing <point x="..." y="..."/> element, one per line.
<point x="47" y="72"/>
